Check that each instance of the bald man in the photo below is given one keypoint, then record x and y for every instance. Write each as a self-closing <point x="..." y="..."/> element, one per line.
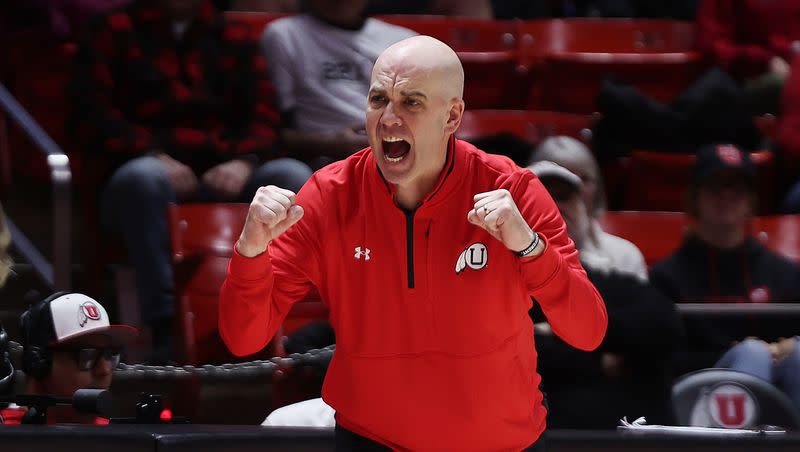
<point x="427" y="252"/>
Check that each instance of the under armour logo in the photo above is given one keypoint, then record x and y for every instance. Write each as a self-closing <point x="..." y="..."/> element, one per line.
<point x="360" y="252"/>
<point x="474" y="257"/>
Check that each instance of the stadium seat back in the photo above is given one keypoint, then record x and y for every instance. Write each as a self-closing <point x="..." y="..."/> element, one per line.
<point x="658" y="180"/>
<point x="569" y="58"/>
<point x="202" y="238"/>
<point x="531" y="126"/>
<point x="730" y="399"/>
<point x="487" y="49"/>
<point x="656" y="234"/>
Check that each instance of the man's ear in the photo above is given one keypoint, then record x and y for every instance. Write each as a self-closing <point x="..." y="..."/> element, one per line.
<point x="454" y="115"/>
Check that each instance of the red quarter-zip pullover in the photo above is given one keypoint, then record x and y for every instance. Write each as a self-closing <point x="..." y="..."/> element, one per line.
<point x="435" y="348"/>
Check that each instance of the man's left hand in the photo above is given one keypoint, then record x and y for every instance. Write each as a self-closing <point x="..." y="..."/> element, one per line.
<point x="497" y="212"/>
<point x="228" y="179"/>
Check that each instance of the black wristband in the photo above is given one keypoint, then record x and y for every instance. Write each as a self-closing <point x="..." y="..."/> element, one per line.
<point x="529" y="249"/>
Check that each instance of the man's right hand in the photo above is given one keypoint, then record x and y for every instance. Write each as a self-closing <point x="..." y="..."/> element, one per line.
<point x="182" y="178"/>
<point x="272" y="212"/>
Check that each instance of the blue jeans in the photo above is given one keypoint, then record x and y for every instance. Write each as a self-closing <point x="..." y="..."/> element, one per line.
<point x="753" y="357"/>
<point x="134" y="205"/>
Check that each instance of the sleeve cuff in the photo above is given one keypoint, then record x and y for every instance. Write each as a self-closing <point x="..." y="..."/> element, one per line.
<point x="250" y="268"/>
<point x="539" y="271"/>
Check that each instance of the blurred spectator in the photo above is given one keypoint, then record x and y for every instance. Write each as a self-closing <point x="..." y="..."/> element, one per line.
<point x="600" y="249"/>
<point x="712" y="109"/>
<point x="177" y="103"/>
<point x="68" y="344"/>
<point x="753" y="40"/>
<point x="481" y="9"/>
<point x="789" y="138"/>
<point x="719" y="262"/>
<point x="321" y="63"/>
<point x="630" y="373"/>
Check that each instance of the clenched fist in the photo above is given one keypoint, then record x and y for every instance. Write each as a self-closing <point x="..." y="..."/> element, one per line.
<point x="497" y="212"/>
<point x="272" y="212"/>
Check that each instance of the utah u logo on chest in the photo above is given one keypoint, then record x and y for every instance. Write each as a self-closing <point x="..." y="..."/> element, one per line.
<point x="476" y="256"/>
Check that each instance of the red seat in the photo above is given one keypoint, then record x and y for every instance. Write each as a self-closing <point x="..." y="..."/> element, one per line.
<point x="202" y="238"/>
<point x="532" y="126"/>
<point x="568" y="59"/>
<point x="658" y="180"/>
<point x="618" y="36"/>
<point x="487" y="49"/>
<point x="463" y="34"/>
<point x="657" y="234"/>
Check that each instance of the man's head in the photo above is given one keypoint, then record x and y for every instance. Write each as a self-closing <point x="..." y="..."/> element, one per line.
<point x="576" y="157"/>
<point x="565" y="187"/>
<point x="181" y="10"/>
<point x="70" y="345"/>
<point x="342" y="13"/>
<point x="721" y="193"/>
<point x="413" y="107"/>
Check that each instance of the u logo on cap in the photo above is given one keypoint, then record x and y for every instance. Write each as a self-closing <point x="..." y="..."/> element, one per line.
<point x="88" y="311"/>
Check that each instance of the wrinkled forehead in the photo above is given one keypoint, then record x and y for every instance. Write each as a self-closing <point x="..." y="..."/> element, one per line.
<point x="401" y="70"/>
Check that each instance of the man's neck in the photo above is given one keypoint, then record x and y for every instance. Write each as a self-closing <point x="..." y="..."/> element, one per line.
<point x="722" y="237"/>
<point x="410" y="195"/>
<point x="409" y="198"/>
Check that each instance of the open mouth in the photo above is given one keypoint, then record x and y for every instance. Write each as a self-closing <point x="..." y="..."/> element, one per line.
<point x="395" y="149"/>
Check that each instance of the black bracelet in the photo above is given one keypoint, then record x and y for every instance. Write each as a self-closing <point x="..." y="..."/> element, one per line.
<point x="530" y="247"/>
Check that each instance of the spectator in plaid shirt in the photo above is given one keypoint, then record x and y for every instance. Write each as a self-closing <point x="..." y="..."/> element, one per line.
<point x="175" y="101"/>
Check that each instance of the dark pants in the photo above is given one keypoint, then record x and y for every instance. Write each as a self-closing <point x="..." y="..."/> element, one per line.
<point x="347" y="441"/>
<point x="134" y="204"/>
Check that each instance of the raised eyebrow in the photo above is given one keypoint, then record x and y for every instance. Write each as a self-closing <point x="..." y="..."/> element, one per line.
<point x="413" y="93"/>
<point x="376" y="90"/>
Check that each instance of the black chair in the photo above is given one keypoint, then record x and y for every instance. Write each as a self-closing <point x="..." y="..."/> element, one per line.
<point x="730" y="399"/>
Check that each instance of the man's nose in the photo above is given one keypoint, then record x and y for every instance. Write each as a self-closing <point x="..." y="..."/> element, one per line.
<point x="102" y="367"/>
<point x="389" y="117"/>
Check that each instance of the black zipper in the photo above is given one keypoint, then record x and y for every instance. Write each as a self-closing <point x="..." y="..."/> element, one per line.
<point x="410" y="246"/>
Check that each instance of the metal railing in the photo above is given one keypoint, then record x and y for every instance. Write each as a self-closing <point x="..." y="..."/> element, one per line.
<point x="735" y="309"/>
<point x="58" y="274"/>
